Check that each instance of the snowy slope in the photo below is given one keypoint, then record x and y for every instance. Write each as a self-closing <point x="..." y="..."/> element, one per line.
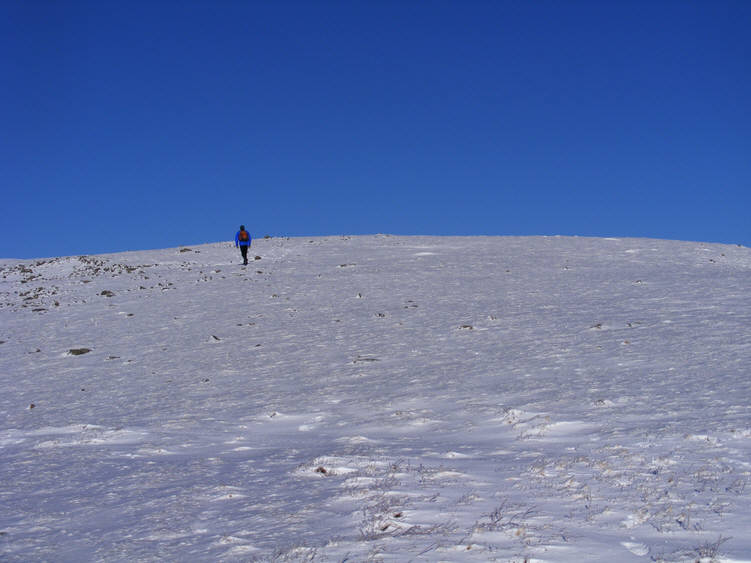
<point x="379" y="398"/>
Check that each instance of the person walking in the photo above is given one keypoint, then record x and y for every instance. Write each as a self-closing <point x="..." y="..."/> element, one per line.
<point x="243" y="240"/>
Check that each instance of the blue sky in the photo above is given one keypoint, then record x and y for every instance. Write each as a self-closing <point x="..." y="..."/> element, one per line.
<point x="135" y="125"/>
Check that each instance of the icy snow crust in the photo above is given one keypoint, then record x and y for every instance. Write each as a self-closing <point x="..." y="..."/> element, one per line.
<point x="379" y="398"/>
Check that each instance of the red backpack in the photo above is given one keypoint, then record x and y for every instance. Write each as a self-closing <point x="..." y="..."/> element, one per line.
<point x="243" y="236"/>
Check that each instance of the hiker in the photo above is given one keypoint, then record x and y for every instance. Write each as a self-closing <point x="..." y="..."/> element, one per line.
<point x="243" y="240"/>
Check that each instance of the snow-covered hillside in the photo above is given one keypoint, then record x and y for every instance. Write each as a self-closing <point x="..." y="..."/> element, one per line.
<point x="379" y="398"/>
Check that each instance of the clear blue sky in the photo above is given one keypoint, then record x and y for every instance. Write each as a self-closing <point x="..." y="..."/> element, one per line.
<point x="135" y="125"/>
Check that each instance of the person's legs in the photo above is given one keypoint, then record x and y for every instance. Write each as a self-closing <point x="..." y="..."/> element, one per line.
<point x="244" y="252"/>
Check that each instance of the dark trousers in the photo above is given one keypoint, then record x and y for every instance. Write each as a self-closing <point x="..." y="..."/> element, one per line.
<point x="244" y="252"/>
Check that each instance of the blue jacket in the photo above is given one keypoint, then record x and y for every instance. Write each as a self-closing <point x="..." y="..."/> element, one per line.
<point x="239" y="242"/>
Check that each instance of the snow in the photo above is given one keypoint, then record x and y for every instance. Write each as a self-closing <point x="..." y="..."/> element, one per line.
<point x="379" y="398"/>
